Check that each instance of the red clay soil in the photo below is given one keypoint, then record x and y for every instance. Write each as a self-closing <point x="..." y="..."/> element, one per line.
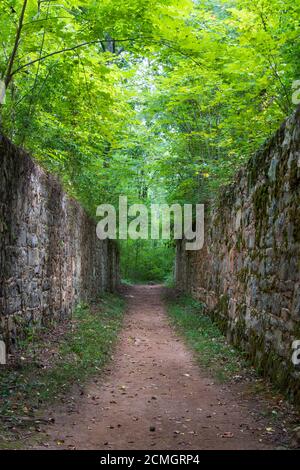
<point x="154" y="395"/>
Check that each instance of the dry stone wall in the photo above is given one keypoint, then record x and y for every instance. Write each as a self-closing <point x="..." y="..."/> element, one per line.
<point x="50" y="257"/>
<point x="248" y="272"/>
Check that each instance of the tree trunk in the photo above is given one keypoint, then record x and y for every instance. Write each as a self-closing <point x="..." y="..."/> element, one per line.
<point x="8" y="75"/>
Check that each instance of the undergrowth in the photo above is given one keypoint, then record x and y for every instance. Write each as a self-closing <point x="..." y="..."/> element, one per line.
<point x="208" y="343"/>
<point x="82" y="352"/>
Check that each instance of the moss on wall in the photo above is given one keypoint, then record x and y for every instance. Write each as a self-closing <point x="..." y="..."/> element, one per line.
<point x="252" y="268"/>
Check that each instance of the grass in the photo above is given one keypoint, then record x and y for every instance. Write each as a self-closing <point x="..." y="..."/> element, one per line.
<point x="82" y="353"/>
<point x="169" y="280"/>
<point x="209" y="345"/>
<point x="139" y="282"/>
<point x="127" y="282"/>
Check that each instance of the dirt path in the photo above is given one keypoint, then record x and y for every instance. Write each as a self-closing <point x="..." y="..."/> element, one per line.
<point x="154" y="396"/>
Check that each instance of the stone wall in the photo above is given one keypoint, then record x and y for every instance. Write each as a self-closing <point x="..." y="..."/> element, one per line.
<point x="248" y="272"/>
<point x="50" y="257"/>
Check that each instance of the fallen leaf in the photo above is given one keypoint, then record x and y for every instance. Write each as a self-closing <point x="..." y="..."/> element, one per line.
<point x="227" y="435"/>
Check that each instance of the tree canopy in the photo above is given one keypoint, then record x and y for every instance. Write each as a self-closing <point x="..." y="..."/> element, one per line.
<point x="155" y="99"/>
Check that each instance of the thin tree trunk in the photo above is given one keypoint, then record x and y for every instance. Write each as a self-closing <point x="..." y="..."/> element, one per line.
<point x="8" y="76"/>
<point x="32" y="96"/>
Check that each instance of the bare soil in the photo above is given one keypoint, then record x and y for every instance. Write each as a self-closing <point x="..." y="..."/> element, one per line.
<point x="154" y="395"/>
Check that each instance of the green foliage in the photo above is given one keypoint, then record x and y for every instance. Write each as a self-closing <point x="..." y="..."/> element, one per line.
<point x="161" y="100"/>
<point x="67" y="98"/>
<point x="146" y="261"/>
<point x="217" y="105"/>
<point x="204" y="337"/>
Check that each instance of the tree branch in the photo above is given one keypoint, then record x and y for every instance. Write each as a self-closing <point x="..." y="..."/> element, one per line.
<point x="9" y="73"/>
<point x="69" y="49"/>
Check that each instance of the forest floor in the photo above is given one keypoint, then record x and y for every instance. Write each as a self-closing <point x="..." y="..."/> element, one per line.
<point x="154" y="395"/>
